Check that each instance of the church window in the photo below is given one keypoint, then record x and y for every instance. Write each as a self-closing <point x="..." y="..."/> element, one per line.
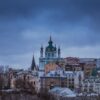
<point x="48" y="54"/>
<point x="52" y="54"/>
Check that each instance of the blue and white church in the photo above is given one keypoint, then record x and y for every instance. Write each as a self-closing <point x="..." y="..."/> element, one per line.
<point x="50" y="54"/>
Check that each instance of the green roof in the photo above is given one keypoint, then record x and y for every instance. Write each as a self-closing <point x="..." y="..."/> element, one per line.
<point x="94" y="72"/>
<point x="50" y="47"/>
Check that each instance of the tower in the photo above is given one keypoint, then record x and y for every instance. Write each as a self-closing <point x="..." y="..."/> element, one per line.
<point x="59" y="53"/>
<point x="41" y="52"/>
<point x="52" y="54"/>
<point x="50" y="51"/>
<point x="33" y="65"/>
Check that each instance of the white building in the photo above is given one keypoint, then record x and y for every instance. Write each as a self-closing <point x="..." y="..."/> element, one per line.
<point x="98" y="63"/>
<point x="59" y="77"/>
<point x="62" y="92"/>
<point x="51" y="54"/>
<point x="91" y="85"/>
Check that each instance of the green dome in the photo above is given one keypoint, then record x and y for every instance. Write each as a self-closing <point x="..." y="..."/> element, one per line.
<point x="50" y="47"/>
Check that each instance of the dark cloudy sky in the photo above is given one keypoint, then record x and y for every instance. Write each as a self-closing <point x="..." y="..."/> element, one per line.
<point x="26" y="24"/>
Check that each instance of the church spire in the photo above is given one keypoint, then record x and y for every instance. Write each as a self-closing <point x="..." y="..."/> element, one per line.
<point x="41" y="51"/>
<point x="50" y="41"/>
<point x="50" y="38"/>
<point x="33" y="65"/>
<point x="59" y="52"/>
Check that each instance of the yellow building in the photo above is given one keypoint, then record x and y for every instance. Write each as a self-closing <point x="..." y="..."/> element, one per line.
<point x="50" y="67"/>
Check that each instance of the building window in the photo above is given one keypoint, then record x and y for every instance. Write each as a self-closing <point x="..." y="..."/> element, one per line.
<point x="34" y="83"/>
<point x="62" y="84"/>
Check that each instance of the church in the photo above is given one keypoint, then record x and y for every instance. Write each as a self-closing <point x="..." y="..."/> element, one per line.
<point x="50" y="54"/>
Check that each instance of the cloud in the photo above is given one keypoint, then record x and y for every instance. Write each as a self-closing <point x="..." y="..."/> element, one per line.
<point x="26" y="24"/>
<point x="83" y="52"/>
<point x="18" y="60"/>
<point x="57" y="15"/>
<point x="69" y="10"/>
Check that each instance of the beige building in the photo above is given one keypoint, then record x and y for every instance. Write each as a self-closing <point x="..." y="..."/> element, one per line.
<point x="71" y="60"/>
<point x="73" y="67"/>
<point x="29" y="77"/>
<point x="61" y="78"/>
<point x="50" y="82"/>
<point x="50" y="67"/>
<point x="88" y="68"/>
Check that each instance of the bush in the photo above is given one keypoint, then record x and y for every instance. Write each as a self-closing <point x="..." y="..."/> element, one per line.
<point x="45" y="95"/>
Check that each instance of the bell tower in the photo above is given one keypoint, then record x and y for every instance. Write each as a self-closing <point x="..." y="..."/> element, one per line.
<point x="50" y="51"/>
<point x="59" y="52"/>
<point x="41" y="51"/>
<point x="49" y="54"/>
<point x="33" y="65"/>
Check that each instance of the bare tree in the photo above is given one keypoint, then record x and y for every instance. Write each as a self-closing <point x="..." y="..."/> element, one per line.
<point x="25" y="86"/>
<point x="1" y="82"/>
<point x="98" y="97"/>
<point x="45" y="95"/>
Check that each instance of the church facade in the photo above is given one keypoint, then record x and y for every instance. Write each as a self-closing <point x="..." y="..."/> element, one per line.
<point x="50" y="54"/>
